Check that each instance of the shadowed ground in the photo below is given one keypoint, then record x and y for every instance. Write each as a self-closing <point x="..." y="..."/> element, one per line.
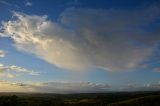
<point x="91" y="99"/>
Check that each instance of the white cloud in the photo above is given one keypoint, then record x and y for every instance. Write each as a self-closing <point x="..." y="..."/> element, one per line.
<point x="28" y="4"/>
<point x="7" y="71"/>
<point x="6" y="86"/>
<point x="54" y="87"/>
<point x="22" y="70"/>
<point x="87" y="38"/>
<point x="73" y="87"/>
<point x="141" y="87"/>
<point x="2" y="53"/>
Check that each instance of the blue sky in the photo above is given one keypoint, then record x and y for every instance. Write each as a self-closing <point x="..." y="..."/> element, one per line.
<point x="92" y="45"/>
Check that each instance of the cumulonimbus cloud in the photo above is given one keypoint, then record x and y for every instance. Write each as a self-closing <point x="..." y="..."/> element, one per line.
<point x="87" y="38"/>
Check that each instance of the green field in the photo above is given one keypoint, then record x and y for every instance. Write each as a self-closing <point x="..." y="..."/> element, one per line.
<point x="85" y="99"/>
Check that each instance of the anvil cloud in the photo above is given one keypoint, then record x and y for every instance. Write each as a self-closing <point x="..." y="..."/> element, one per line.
<point x="85" y="39"/>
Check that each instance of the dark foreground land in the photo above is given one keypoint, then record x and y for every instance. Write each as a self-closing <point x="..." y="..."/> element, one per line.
<point x="85" y="99"/>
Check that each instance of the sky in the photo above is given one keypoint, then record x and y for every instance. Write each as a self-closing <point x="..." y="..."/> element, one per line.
<point x="79" y="46"/>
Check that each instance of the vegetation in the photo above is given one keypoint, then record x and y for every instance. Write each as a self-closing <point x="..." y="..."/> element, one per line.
<point x="92" y="99"/>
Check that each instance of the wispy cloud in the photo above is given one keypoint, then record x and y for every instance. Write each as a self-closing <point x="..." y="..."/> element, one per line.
<point x="8" y="4"/>
<point x="88" y="38"/>
<point x="5" y="3"/>
<point x="72" y="87"/>
<point x="141" y="87"/>
<point x="6" y="86"/>
<point x="2" y="53"/>
<point x="28" y="3"/>
<point x="7" y="71"/>
<point x="54" y="87"/>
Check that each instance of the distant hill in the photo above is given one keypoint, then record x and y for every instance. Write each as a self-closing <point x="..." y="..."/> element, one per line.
<point x="84" y="99"/>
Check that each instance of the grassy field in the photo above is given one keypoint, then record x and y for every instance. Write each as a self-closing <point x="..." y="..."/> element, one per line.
<point x="91" y="99"/>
